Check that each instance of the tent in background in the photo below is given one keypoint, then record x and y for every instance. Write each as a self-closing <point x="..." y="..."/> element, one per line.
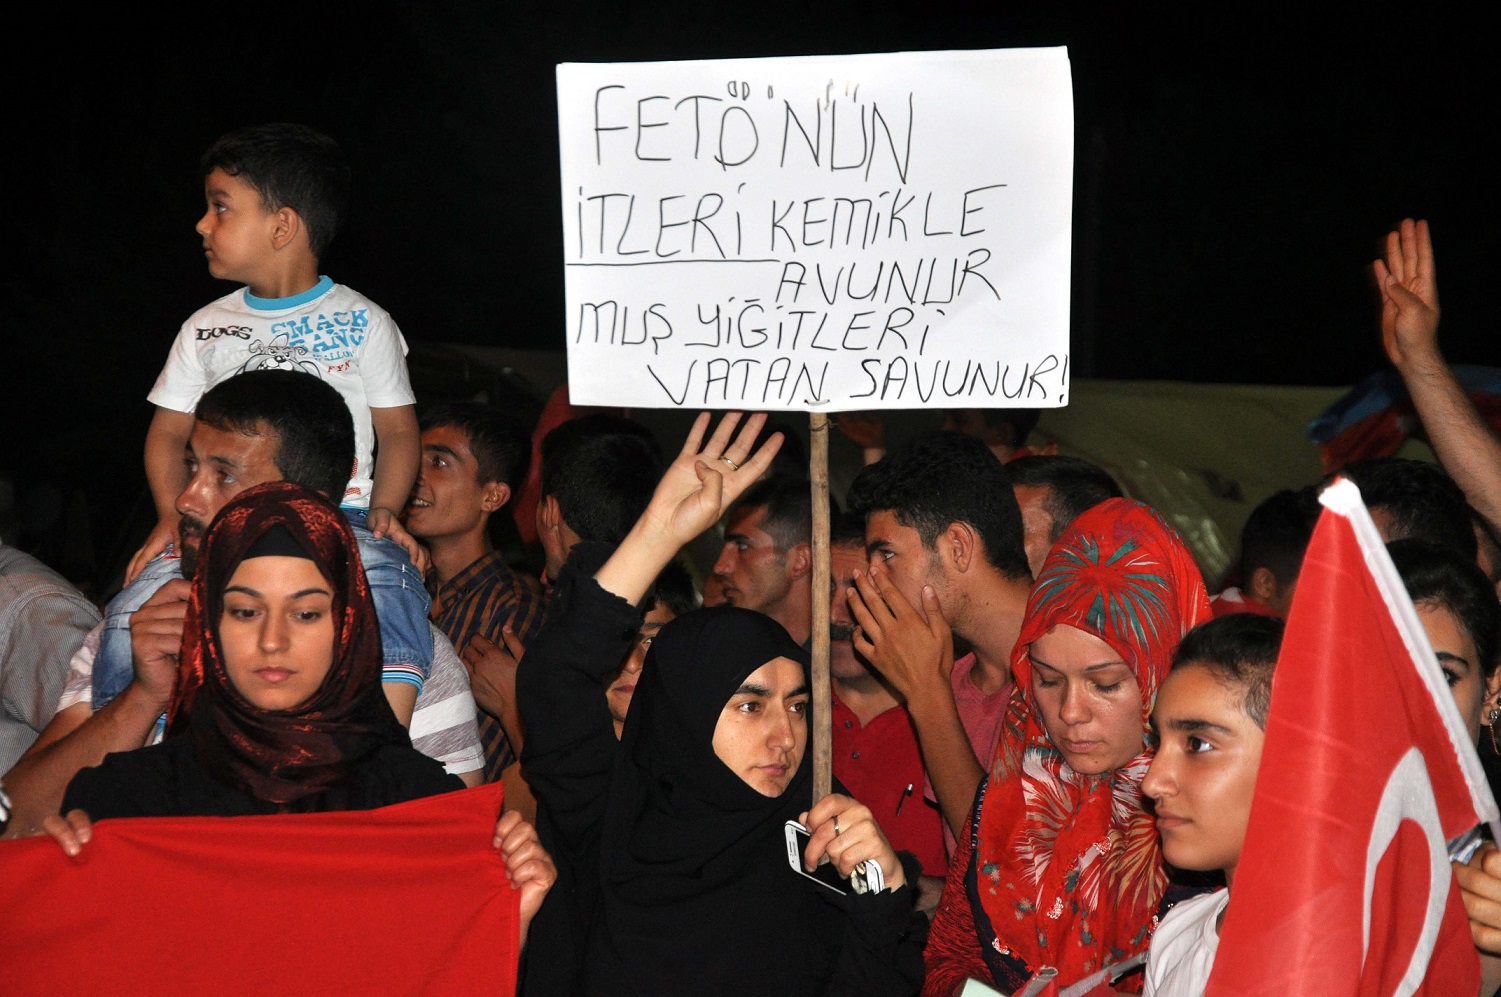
<point x="1203" y="454"/>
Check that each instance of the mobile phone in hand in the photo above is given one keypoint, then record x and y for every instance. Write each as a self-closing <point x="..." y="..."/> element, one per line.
<point x="867" y="877"/>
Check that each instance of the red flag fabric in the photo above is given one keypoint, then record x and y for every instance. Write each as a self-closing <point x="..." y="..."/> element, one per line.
<point x="1344" y="885"/>
<point x="407" y="899"/>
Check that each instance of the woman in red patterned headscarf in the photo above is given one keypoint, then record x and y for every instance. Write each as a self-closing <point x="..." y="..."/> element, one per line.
<point x="1061" y="866"/>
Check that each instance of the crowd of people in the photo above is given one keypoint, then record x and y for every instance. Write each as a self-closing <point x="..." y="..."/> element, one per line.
<point x="1046" y="731"/>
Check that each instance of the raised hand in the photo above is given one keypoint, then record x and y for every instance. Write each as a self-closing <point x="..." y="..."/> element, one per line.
<point x="695" y="491"/>
<point x="1409" y="294"/>
<point x="705" y="478"/>
<point x="863" y="429"/>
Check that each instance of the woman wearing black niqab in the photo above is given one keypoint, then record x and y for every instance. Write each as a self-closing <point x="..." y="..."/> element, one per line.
<point x="675" y="865"/>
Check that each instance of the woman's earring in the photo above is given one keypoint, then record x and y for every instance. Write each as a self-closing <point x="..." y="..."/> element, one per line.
<point x="1490" y="725"/>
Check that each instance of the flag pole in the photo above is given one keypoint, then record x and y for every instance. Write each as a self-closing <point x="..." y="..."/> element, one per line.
<point x="823" y="731"/>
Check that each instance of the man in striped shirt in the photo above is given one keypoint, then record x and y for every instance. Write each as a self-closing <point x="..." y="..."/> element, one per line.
<point x="472" y="456"/>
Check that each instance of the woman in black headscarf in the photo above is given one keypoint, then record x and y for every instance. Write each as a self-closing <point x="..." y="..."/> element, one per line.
<point x="671" y="842"/>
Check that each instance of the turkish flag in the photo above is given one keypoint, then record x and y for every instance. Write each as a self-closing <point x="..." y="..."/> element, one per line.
<point x="1344" y="885"/>
<point x="407" y="899"/>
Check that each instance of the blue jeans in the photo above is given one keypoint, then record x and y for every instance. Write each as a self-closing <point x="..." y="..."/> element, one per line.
<point x="113" y="666"/>
<point x="401" y="607"/>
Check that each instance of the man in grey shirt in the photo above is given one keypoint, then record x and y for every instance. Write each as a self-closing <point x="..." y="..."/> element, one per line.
<point x="43" y="620"/>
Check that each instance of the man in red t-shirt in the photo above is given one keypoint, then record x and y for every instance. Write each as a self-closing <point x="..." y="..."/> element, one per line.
<point x="876" y="756"/>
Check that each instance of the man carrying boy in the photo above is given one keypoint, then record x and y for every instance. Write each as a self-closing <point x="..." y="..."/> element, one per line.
<point x="265" y="426"/>
<point x="275" y="197"/>
<point x="1210" y="724"/>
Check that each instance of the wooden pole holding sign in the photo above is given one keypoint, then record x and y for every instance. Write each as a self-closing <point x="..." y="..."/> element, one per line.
<point x="822" y="695"/>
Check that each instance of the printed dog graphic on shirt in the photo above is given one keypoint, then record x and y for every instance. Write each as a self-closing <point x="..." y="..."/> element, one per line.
<point x="279" y="354"/>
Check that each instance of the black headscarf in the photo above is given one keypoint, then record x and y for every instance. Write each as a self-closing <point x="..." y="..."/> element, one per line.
<point x="697" y="893"/>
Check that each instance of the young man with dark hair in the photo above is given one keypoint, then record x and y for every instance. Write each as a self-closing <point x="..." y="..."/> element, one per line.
<point x="1052" y="491"/>
<point x="598" y="473"/>
<point x="121" y="678"/>
<point x="943" y="534"/>
<point x="1414" y="498"/>
<point x="1272" y="544"/>
<point x="766" y="563"/>
<point x="314" y="437"/>
<point x="472" y="458"/>
<point x="275" y="196"/>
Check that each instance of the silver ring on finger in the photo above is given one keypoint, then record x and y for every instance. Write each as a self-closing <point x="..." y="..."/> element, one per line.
<point x="733" y="466"/>
<point x="836" y="825"/>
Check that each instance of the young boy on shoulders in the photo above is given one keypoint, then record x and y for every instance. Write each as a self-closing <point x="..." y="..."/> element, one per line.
<point x="1210" y="724"/>
<point x="276" y="194"/>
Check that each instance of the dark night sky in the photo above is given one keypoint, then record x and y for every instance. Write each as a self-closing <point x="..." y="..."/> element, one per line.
<point x="1233" y="175"/>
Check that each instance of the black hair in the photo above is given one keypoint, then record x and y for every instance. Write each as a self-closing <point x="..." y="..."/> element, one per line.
<point x="673" y="588"/>
<point x="788" y="501"/>
<point x="602" y="469"/>
<point x="1240" y="650"/>
<point x="314" y="429"/>
<point x="942" y="478"/>
<point x="501" y="446"/>
<point x="1277" y="532"/>
<point x="845" y="528"/>
<point x="1486" y="543"/>
<point x="1074" y="486"/>
<point x="1436" y="574"/>
<point x="290" y="166"/>
<point x="792" y="459"/>
<point x="1419" y="499"/>
<point x="1021" y="421"/>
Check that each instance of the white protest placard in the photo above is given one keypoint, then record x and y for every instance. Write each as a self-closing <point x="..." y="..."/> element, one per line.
<point x="819" y="233"/>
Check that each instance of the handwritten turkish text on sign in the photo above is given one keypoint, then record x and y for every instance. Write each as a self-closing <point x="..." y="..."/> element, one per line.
<point x="852" y="232"/>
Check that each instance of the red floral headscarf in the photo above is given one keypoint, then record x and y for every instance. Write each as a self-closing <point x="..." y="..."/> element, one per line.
<point x="1068" y="866"/>
<point x="281" y="756"/>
